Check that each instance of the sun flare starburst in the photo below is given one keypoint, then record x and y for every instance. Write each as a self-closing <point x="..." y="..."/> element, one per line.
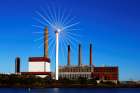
<point x="57" y="19"/>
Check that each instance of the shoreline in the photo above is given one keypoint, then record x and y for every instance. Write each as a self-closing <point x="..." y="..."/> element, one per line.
<point x="31" y="81"/>
<point x="73" y="86"/>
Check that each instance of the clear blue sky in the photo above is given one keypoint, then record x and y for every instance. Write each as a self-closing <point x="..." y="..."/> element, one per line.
<point x="113" y="26"/>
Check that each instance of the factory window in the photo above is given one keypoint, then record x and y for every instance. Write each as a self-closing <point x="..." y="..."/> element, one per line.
<point x="85" y="70"/>
<point x="80" y="70"/>
<point x="89" y="70"/>
<point x="74" y="70"/>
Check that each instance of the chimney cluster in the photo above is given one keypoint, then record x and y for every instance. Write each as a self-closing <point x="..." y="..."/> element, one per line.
<point x="80" y="55"/>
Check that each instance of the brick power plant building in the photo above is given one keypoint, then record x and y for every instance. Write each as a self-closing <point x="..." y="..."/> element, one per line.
<point x="88" y="71"/>
<point x="40" y="66"/>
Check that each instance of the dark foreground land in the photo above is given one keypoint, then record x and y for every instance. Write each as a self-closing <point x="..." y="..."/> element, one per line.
<point x="37" y="82"/>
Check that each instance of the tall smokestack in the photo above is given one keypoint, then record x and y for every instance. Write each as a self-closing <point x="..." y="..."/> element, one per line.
<point x="90" y="63"/>
<point x="17" y="65"/>
<point x="68" y="55"/>
<point x="46" y="42"/>
<point x="79" y="56"/>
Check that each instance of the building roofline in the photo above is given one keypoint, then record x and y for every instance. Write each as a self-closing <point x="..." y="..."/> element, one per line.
<point x="39" y="59"/>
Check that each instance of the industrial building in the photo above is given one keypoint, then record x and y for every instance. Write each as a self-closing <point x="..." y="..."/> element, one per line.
<point x="40" y="66"/>
<point x="74" y="72"/>
<point x="88" y="71"/>
<point x="105" y="74"/>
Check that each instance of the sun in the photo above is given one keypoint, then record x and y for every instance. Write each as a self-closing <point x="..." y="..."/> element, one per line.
<point x="56" y="19"/>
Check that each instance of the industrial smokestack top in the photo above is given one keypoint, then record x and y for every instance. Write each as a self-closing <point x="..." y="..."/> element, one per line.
<point x="79" y="56"/>
<point x="46" y="42"/>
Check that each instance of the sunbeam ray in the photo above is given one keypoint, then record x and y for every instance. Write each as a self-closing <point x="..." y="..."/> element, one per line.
<point x="47" y="13"/>
<point x="39" y="39"/>
<point x="50" y="14"/>
<point x="66" y="18"/>
<point x="52" y="51"/>
<point x="62" y="49"/>
<point x="51" y="42"/>
<point x="46" y="20"/>
<point x="41" y="22"/>
<point x="41" y="45"/>
<point x="69" y="21"/>
<point x="59" y="15"/>
<point x="73" y="29"/>
<point x="70" y="25"/>
<point x="74" y="39"/>
<point x="62" y="16"/>
<point x="37" y="26"/>
<point x="39" y="32"/>
<point x="58" y="18"/>
<point x="55" y="14"/>
<point x="73" y="34"/>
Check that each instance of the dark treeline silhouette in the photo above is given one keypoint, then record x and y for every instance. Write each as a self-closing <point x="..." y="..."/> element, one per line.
<point x="34" y="81"/>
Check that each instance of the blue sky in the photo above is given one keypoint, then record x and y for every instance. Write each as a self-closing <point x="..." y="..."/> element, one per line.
<point x="113" y="26"/>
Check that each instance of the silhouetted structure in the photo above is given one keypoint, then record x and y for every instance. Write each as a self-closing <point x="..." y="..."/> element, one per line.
<point x="90" y="59"/>
<point x="79" y="56"/>
<point x="17" y="65"/>
<point x="68" y="55"/>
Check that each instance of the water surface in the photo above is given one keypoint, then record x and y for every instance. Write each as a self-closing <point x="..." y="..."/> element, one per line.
<point x="70" y="90"/>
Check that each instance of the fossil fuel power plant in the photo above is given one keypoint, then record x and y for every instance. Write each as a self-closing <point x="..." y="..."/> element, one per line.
<point x="41" y="66"/>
